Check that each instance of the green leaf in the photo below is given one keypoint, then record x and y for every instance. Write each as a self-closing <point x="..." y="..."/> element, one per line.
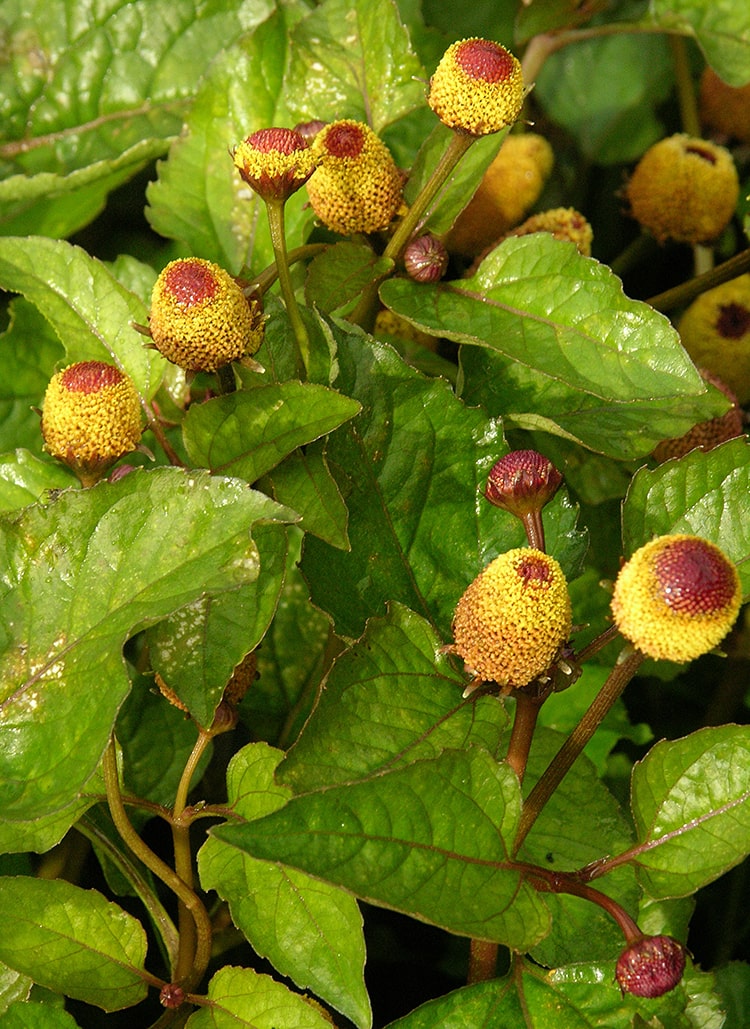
<point x="392" y="698"/>
<point x="411" y="468"/>
<point x="556" y="344"/>
<point x="79" y="576"/>
<point x="733" y="986"/>
<point x="336" y="278"/>
<point x="691" y="804"/>
<point x="247" y="433"/>
<point x="33" y="1015"/>
<point x="704" y="494"/>
<point x="87" y="307"/>
<point x="309" y="931"/>
<point x="72" y="941"/>
<point x="199" y="197"/>
<point x="197" y="649"/>
<point x="721" y="30"/>
<point x="241" y="997"/>
<point x="353" y="59"/>
<point x="613" y="117"/>
<point x="304" y="483"/>
<point x="427" y="839"/>
<point x="25" y="478"/>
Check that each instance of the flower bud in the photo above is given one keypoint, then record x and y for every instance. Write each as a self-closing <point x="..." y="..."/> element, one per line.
<point x="91" y="418"/>
<point x="357" y="186"/>
<point x="677" y="597"/>
<point x="477" y="87"/>
<point x="522" y="481"/>
<point x="715" y="331"/>
<point x="274" y="162"/>
<point x="684" y="189"/>
<point x="425" y="258"/>
<point x="200" y="318"/>
<point x="651" y="966"/>
<point x="513" y="618"/>
<point x="309" y="129"/>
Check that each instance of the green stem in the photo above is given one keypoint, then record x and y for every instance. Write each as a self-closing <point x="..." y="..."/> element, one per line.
<point x="686" y="98"/>
<point x="688" y="291"/>
<point x="275" y="210"/>
<point x="563" y="761"/>
<point x="263" y="282"/>
<point x="154" y="863"/>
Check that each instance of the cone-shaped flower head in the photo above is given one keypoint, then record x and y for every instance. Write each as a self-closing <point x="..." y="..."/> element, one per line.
<point x="91" y="417"/>
<point x="677" y="597"/>
<point x="651" y="966"/>
<point x="274" y="162"/>
<point x="357" y="186"/>
<point x="477" y="87"/>
<point x="564" y="223"/>
<point x="200" y="318"/>
<point x="684" y="189"/>
<point x="513" y="618"/>
<point x="715" y="331"/>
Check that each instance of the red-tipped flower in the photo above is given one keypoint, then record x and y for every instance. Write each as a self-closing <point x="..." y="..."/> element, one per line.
<point x="651" y="966"/>
<point x="275" y="162"/>
<point x="477" y="87"/>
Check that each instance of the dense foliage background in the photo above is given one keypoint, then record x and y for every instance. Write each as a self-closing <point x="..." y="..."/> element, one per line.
<point x="341" y="567"/>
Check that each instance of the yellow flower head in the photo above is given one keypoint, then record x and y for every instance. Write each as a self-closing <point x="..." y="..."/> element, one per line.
<point x="477" y="87"/>
<point x="274" y="162"/>
<point x="564" y="223"/>
<point x="200" y="318"/>
<point x="676" y="598"/>
<point x="513" y="618"/>
<point x="715" y="331"/>
<point x="357" y="186"/>
<point x="684" y="189"/>
<point x="91" y="417"/>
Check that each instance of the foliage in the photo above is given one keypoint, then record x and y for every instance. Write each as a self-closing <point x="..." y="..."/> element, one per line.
<point x="306" y="526"/>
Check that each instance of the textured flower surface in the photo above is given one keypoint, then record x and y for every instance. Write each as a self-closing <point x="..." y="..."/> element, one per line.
<point x="513" y="618"/>
<point x="651" y="966"/>
<point x="275" y="162"/>
<point x="715" y="331"/>
<point x="357" y="186"/>
<point x="677" y="597"/>
<point x="564" y="223"/>
<point x="200" y="318"/>
<point x="684" y="189"/>
<point x="522" y="481"/>
<point x="477" y="87"/>
<point x="91" y="417"/>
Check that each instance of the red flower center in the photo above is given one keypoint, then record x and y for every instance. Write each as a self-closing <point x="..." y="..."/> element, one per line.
<point x="190" y="282"/>
<point x="90" y="377"/>
<point x="694" y="578"/>
<point x="282" y="141"/>
<point x="533" y="570"/>
<point x="482" y="59"/>
<point x="733" y="321"/>
<point x="344" y="140"/>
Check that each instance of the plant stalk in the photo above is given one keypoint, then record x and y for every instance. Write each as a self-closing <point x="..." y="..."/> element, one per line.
<point x="275" y="211"/>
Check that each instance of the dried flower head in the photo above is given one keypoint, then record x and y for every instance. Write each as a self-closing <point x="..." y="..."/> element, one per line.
<point x="477" y="87"/>
<point x="274" y="162"/>
<point x="200" y="318"/>
<point x="513" y="618"/>
<point x="91" y="417"/>
<point x="684" y="189"/>
<point x="677" y="597"/>
<point x="357" y="186"/>
<point x="509" y="189"/>
<point x="564" y="223"/>
<point x="715" y="331"/>
<point x="651" y="966"/>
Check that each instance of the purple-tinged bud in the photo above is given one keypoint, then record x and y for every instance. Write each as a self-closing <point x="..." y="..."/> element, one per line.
<point x="172" y="995"/>
<point x="522" y="481"/>
<point x="651" y="966"/>
<point x="309" y="129"/>
<point x="426" y="259"/>
<point x="275" y="162"/>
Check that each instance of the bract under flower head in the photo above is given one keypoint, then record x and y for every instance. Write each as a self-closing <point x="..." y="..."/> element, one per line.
<point x="357" y="186"/>
<point x="677" y="597"/>
<point x="274" y="162"/>
<point x="91" y="417"/>
<point x="684" y="189"/>
<point x="513" y="618"/>
<point x="477" y="87"/>
<point x="200" y="318"/>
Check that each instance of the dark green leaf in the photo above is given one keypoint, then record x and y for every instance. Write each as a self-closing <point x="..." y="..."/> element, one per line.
<point x="303" y="482"/>
<point x="248" y="433"/>
<point x="722" y="31"/>
<point x="310" y="931"/>
<point x="25" y="478"/>
<point x="701" y="494"/>
<point x="353" y="59"/>
<point x="72" y="941"/>
<point x="576" y="356"/>
<point x="336" y="277"/>
<point x="427" y="839"/>
<point x="33" y="1015"/>
<point x="691" y="804"/>
<point x="241" y="997"/>
<point x="79" y="576"/>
